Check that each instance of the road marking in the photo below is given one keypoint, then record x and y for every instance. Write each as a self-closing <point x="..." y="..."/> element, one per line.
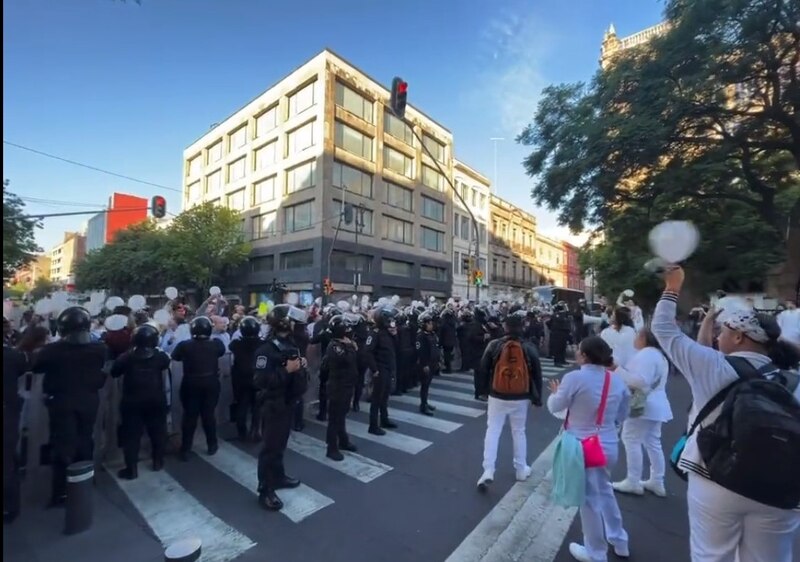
<point x="442" y="406"/>
<point x="392" y="439"/>
<point x="455" y="395"/>
<point x="468" y="386"/>
<point x="174" y="514"/>
<point x="460" y="376"/>
<point x="354" y="465"/>
<point x="422" y="420"/>
<point x="241" y="467"/>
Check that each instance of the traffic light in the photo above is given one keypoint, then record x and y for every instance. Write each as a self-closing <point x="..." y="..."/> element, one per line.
<point x="398" y="98"/>
<point x="478" y="278"/>
<point x="327" y="286"/>
<point x="158" y="207"/>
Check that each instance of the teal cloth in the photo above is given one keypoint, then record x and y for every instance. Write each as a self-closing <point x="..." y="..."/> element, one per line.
<point x="569" y="472"/>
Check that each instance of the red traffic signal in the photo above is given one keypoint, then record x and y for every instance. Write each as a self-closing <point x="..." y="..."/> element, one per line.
<point x="397" y="101"/>
<point x="158" y="207"/>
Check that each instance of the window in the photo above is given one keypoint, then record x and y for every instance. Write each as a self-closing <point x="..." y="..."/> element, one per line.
<point x="236" y="200"/>
<point x="214" y="182"/>
<point x="351" y="262"/>
<point x="352" y="179"/>
<point x="398" y="268"/>
<point x="432" y="178"/>
<point x="465" y="192"/>
<point x="399" y="197"/>
<point x="193" y="168"/>
<point x="362" y="217"/>
<point x="456" y="225"/>
<point x="494" y="267"/>
<point x="266" y="121"/>
<point x="353" y="102"/>
<point x="466" y="225"/>
<point x="513" y="270"/>
<point x="194" y="191"/>
<point x="433" y="273"/>
<point x="398" y="230"/>
<point x="483" y="202"/>
<point x="432" y="209"/>
<point x="301" y="177"/>
<point x="398" y="162"/>
<point x="482" y="233"/>
<point x="238" y="138"/>
<point x="297" y="217"/>
<point x="302" y="99"/>
<point x="397" y="128"/>
<point x="474" y="197"/>
<point x="353" y="141"/>
<point x="262" y="263"/>
<point x="265" y="225"/>
<point x="297" y="260"/>
<point x="215" y="152"/>
<point x="456" y="263"/>
<point x="236" y="170"/>
<point x="266" y="155"/>
<point x="264" y="191"/>
<point x="432" y="239"/>
<point x="435" y="147"/>
<point x="300" y="139"/>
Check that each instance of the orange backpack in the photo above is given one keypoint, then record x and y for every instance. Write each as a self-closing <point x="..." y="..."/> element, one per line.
<point x="511" y="376"/>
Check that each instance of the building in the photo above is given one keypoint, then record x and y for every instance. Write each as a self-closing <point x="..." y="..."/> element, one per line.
<point x="550" y="259"/>
<point x="290" y="158"/>
<point x="513" y="268"/>
<point x="475" y="190"/>
<point x="65" y="256"/>
<point x="123" y="211"/>
<point x="572" y="270"/>
<point x="36" y="269"/>
<point x="612" y="44"/>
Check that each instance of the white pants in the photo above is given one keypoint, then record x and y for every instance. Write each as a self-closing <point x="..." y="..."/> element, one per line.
<point x="637" y="433"/>
<point x="726" y="527"/>
<point x="601" y="519"/>
<point x="517" y="413"/>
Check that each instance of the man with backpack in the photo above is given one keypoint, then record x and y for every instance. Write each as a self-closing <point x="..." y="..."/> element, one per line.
<point x="511" y="370"/>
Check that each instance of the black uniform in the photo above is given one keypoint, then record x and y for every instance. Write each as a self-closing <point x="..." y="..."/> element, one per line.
<point x="406" y="357"/>
<point x="244" y="393"/>
<point x="15" y="364"/>
<point x="301" y="339"/>
<point x="341" y="366"/>
<point x="199" y="390"/>
<point x="428" y="357"/>
<point x="448" y="339"/>
<point x="360" y="334"/>
<point x="560" y="328"/>
<point x="322" y="336"/>
<point x="476" y="340"/>
<point x="382" y="361"/>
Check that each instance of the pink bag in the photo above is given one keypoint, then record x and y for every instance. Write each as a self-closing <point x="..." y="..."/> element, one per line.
<point x="593" y="454"/>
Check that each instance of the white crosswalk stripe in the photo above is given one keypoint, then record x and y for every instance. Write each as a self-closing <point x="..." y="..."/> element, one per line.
<point x="453" y="394"/>
<point x="354" y="465"/>
<point x="392" y="439"/>
<point x="433" y="423"/>
<point x="445" y="381"/>
<point x="442" y="406"/>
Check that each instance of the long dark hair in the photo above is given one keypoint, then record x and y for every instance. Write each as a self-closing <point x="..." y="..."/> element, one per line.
<point x="33" y="338"/>
<point x="622" y="317"/>
<point x="783" y="354"/>
<point x="597" y="351"/>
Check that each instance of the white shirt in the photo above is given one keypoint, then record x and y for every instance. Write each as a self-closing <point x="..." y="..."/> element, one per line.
<point x="648" y="370"/>
<point x="789" y="321"/>
<point x="621" y="342"/>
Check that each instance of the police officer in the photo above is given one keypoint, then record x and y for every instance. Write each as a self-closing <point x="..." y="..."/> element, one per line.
<point x="428" y="356"/>
<point x="322" y="336"/>
<point x="244" y="393"/>
<point x="15" y="364"/>
<point x="73" y="375"/>
<point x="560" y="327"/>
<point x="382" y="362"/>
<point x="447" y="337"/>
<point x="280" y="378"/>
<point x="341" y="365"/>
<point x="361" y="332"/>
<point x="144" y="402"/>
<point x="405" y="354"/>
<point x="200" y="386"/>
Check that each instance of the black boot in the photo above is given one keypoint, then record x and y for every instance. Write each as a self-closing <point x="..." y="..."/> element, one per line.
<point x="287" y="482"/>
<point x="334" y="454"/>
<point x="349" y="447"/>
<point x="129" y="472"/>
<point x="425" y="409"/>
<point x="388" y="424"/>
<point x="212" y="449"/>
<point x="356" y="406"/>
<point x="158" y="463"/>
<point x="269" y="500"/>
<point x="375" y="430"/>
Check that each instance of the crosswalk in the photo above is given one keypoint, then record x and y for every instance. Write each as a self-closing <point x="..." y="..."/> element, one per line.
<point x="172" y="512"/>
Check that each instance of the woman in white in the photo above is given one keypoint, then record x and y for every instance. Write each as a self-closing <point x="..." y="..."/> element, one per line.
<point x="580" y="392"/>
<point x="646" y="372"/>
<point x="620" y="336"/>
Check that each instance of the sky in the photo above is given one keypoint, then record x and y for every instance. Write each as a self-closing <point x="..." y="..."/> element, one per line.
<point x="126" y="87"/>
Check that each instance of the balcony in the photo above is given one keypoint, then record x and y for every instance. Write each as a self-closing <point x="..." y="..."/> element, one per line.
<point x="509" y="280"/>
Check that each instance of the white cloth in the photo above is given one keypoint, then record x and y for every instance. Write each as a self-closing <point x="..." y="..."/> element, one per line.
<point x="601" y="519"/>
<point x="517" y="413"/>
<point x="638" y="433"/>
<point x="224" y="337"/>
<point x="621" y="343"/>
<point x="637" y="317"/>
<point x="789" y="321"/>
<point x="645" y="368"/>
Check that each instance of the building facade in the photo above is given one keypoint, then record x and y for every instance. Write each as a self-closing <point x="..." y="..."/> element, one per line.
<point x="289" y="159"/>
<point x="513" y="268"/>
<point x="38" y="268"/>
<point x="572" y="269"/>
<point x="123" y="211"/>
<point x="474" y="189"/>
<point x="612" y="44"/>
<point x="65" y="256"/>
<point x="550" y="259"/>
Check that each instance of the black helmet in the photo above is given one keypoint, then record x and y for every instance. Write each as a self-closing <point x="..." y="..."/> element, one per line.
<point x="74" y="324"/>
<point x="281" y="317"/>
<point x="201" y="328"/>
<point x="342" y="325"/>
<point x="425" y="317"/>
<point x="384" y="317"/>
<point x="145" y="336"/>
<point x="250" y="327"/>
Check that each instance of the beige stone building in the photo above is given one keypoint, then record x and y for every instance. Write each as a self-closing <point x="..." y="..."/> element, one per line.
<point x="38" y="268"/>
<point x="65" y="256"/>
<point x="475" y="190"/>
<point x="551" y="259"/>
<point x="513" y="266"/>
<point x="612" y="44"/>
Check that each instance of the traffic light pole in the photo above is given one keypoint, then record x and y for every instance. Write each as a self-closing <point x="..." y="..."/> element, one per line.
<point x="77" y="213"/>
<point x="325" y="295"/>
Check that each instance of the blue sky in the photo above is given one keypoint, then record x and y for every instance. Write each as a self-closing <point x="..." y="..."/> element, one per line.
<point x="127" y="87"/>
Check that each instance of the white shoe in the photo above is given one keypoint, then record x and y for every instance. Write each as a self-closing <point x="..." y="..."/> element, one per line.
<point x="578" y="552"/>
<point x="656" y="488"/>
<point x="621" y="550"/>
<point x="486" y="478"/>
<point x="523" y="474"/>
<point x="628" y="487"/>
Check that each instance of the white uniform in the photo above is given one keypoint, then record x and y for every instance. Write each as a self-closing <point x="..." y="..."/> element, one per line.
<point x="621" y="343"/>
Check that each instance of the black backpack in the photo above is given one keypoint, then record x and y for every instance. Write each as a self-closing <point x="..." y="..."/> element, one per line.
<point x="753" y="447"/>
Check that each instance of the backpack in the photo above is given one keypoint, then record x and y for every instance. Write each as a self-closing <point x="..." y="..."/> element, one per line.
<point x="753" y="447"/>
<point x="511" y="376"/>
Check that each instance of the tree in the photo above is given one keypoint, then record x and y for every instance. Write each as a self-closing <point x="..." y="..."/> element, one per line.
<point x="41" y="288"/>
<point x="703" y="123"/>
<point x="19" y="245"/>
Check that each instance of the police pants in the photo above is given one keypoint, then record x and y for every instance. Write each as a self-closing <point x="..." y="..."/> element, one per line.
<point x="405" y="373"/>
<point x="359" y="389"/>
<point x="447" y="351"/>
<point x="379" y="405"/>
<point x="244" y="396"/>
<point x="323" y="393"/>
<point x="11" y="484"/>
<point x="336" y="436"/>
<point x="138" y="417"/>
<point x="277" y="416"/>
<point x="199" y="398"/>
<point x="72" y="420"/>
<point x="558" y="347"/>
<point x="425" y="384"/>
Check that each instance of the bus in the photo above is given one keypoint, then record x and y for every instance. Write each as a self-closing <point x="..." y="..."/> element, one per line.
<point x="550" y="294"/>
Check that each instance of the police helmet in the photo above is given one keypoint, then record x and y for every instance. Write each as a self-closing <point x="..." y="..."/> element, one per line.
<point x="250" y="327"/>
<point x="201" y="328"/>
<point x="73" y="321"/>
<point x="384" y="317"/>
<point x="342" y="325"/>
<point x="145" y="336"/>
<point x="280" y="318"/>
<point x="425" y="317"/>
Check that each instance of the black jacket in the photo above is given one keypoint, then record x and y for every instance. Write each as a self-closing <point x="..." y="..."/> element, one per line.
<point x="381" y="354"/>
<point x="244" y="358"/>
<point x="428" y="352"/>
<point x="200" y="358"/>
<point x="71" y="369"/>
<point x="270" y="377"/>
<point x="489" y="360"/>
<point x="341" y="364"/>
<point x="143" y="375"/>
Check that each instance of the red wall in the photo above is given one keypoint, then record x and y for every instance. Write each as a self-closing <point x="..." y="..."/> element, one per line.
<point x="136" y="209"/>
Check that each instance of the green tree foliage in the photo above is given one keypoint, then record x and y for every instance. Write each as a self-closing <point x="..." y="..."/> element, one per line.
<point x="19" y="245"/>
<point x="701" y="123"/>
<point x="41" y="288"/>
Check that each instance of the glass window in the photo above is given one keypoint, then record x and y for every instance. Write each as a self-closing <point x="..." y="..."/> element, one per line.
<point x="435" y="147"/>
<point x="297" y="217"/>
<point x="195" y="164"/>
<point x="267" y="155"/>
<point x="297" y="260"/>
<point x="301" y="177"/>
<point x="351" y="262"/>
<point x="398" y="268"/>
<point x="236" y="200"/>
<point x="465" y="192"/>
<point x="433" y="273"/>
<point x="494" y="267"/>
<point x="302" y="99"/>
<point x="466" y="225"/>
<point x="266" y="121"/>
<point x="353" y="179"/>
<point x="474" y="197"/>
<point x="214" y="182"/>
<point x="432" y="209"/>
<point x="456" y="263"/>
<point x="236" y="170"/>
<point x="432" y="178"/>
<point x="238" y="138"/>
<point x="194" y="191"/>
<point x="353" y="102"/>
<point x="482" y="233"/>
<point x="483" y="201"/>
<point x="432" y="239"/>
<point x="265" y="225"/>
<point x="300" y="139"/>
<point x="398" y="230"/>
<point x="215" y="152"/>
<point x="456" y="225"/>
<point x="397" y="128"/>
<point x="262" y="263"/>
<point x="362" y="217"/>
<point x="398" y="162"/>
<point x="353" y="141"/>
<point x="264" y="191"/>
<point x="399" y="197"/>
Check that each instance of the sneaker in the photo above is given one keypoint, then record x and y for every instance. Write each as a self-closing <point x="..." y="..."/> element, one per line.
<point x="628" y="487"/>
<point x="486" y="478"/>
<point x="656" y="488"/>
<point x="523" y="474"/>
<point x="578" y="552"/>
<point x="621" y="550"/>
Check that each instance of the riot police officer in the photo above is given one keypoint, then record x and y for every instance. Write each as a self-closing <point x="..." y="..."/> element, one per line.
<point x="448" y="337"/>
<point x="381" y="359"/>
<point x="341" y="365"/>
<point x="244" y="393"/>
<point x="361" y="332"/>
<point x="428" y="357"/>
<point x="73" y="375"/>
<point x="280" y="378"/>
<point x="560" y="328"/>
<point x="200" y="386"/>
<point x="144" y="401"/>
<point x="322" y="336"/>
<point x="406" y="355"/>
